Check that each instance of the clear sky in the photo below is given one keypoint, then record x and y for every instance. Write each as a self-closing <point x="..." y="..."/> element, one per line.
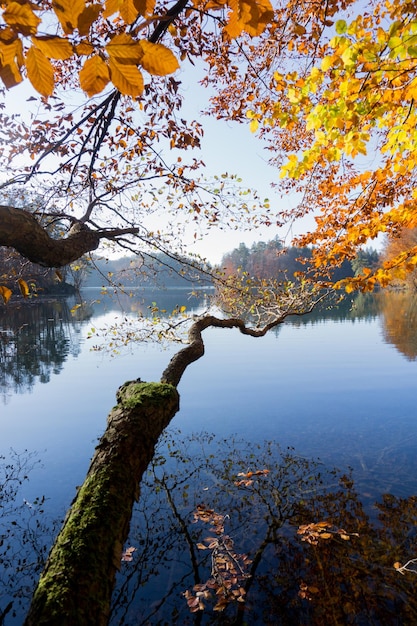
<point x="231" y="147"/>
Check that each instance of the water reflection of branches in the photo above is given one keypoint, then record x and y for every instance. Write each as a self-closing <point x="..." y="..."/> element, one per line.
<point x="24" y="535"/>
<point x="399" y="322"/>
<point x="348" y="577"/>
<point x="35" y="340"/>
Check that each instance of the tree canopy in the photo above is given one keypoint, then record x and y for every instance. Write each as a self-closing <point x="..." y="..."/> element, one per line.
<point x="331" y="87"/>
<point x="108" y="105"/>
<point x="334" y="94"/>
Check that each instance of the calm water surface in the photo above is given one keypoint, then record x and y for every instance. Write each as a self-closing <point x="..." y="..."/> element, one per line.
<point x="339" y="386"/>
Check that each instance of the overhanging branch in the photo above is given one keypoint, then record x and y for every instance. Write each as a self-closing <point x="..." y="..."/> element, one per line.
<point x="20" y="230"/>
<point x="195" y="350"/>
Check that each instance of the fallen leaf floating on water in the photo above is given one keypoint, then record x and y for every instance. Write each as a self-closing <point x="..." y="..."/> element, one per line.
<point x="127" y="555"/>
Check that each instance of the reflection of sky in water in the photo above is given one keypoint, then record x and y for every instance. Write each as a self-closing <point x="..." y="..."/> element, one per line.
<point x="332" y="389"/>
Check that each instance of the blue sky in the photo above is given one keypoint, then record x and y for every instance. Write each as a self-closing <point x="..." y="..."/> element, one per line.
<point x="231" y="147"/>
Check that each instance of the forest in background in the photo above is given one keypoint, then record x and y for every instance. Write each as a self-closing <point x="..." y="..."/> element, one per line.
<point x="262" y="260"/>
<point x="269" y="260"/>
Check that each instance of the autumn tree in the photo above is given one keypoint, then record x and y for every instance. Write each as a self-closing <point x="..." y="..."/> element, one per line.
<point x="97" y="160"/>
<point x="404" y="239"/>
<point x="323" y="90"/>
<point x="108" y="102"/>
<point x="333" y="94"/>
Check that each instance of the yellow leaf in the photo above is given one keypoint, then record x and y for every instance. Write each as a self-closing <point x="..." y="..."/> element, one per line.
<point x="327" y="62"/>
<point x="5" y="293"/>
<point x="54" y="47"/>
<point x="94" y="75"/>
<point x="111" y="7"/>
<point x="251" y="16"/>
<point x="157" y="59"/>
<point x="126" y="8"/>
<point x="183" y="309"/>
<point x="24" y="288"/>
<point x="11" y="59"/>
<point x="68" y="12"/>
<point x="126" y="78"/>
<point x="84" y="49"/>
<point x="128" y="11"/>
<point x="326" y="535"/>
<point x="87" y="17"/>
<point x="20" y="17"/>
<point x="144" y="7"/>
<point x="124" y="49"/>
<point x="40" y="71"/>
<point x="253" y="126"/>
<point x="299" y="29"/>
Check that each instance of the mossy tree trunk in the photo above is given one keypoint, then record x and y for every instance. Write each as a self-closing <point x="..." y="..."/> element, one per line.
<point x="76" y="585"/>
<point x="77" y="582"/>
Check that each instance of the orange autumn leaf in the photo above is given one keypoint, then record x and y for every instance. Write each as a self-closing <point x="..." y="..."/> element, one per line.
<point x="40" y="71"/>
<point x="94" y="75"/>
<point x="5" y="293"/>
<point x="24" y="287"/>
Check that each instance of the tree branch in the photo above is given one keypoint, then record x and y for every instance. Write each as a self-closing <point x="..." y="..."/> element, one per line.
<point x="20" y="230"/>
<point x="195" y="350"/>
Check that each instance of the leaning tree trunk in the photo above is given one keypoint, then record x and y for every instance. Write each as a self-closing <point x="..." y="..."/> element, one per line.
<point x="77" y="582"/>
<point x="76" y="585"/>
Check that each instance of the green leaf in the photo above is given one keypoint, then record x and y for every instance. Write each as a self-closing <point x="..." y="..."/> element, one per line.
<point x="341" y="27"/>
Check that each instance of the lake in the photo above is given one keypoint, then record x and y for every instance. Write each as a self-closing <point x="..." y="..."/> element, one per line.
<point x="335" y="389"/>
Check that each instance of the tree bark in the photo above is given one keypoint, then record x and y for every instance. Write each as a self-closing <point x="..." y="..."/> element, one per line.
<point x="19" y="229"/>
<point x="77" y="582"/>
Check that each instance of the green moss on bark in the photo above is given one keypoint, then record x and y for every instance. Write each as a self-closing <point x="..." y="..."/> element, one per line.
<point x="76" y="585"/>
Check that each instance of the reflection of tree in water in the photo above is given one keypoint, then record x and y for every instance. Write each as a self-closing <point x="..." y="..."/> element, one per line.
<point x="347" y="577"/>
<point x="399" y="321"/>
<point x="25" y="536"/>
<point x="36" y="337"/>
<point x="361" y="306"/>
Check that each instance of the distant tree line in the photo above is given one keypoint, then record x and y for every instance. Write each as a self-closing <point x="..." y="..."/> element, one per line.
<point x="272" y="260"/>
<point x="144" y="270"/>
<point x="263" y="259"/>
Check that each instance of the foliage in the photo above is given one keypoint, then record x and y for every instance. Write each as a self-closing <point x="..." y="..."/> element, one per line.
<point x="327" y="85"/>
<point x="262" y="303"/>
<point x="103" y="42"/>
<point x="228" y="569"/>
<point x="365" y="258"/>
<point x="96" y="167"/>
<point x="19" y="276"/>
<point x="337" y="105"/>
<point x="404" y="239"/>
<point x="271" y="259"/>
